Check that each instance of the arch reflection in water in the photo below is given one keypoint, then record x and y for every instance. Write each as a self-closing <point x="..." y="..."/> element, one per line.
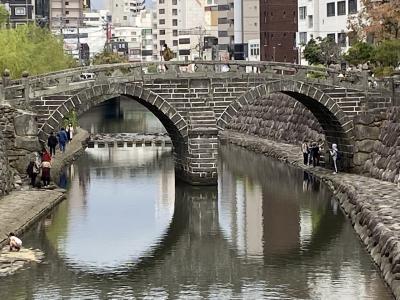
<point x="112" y="220"/>
<point x="260" y="236"/>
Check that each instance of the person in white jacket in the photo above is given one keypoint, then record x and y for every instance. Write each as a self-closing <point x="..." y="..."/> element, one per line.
<point x="14" y="242"/>
<point x="334" y="153"/>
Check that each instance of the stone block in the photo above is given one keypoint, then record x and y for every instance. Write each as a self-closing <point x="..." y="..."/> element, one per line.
<point x="366" y="132"/>
<point x="365" y="146"/>
<point x="28" y="143"/>
<point x="25" y="125"/>
<point x="360" y="158"/>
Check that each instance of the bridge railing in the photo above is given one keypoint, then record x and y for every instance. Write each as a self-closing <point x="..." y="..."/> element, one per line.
<point x="29" y="86"/>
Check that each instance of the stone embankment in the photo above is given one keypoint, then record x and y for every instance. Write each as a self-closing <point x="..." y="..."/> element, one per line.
<point x="22" y="208"/>
<point x="371" y="204"/>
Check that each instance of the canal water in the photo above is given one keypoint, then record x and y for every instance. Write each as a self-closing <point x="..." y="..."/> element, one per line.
<point x="129" y="230"/>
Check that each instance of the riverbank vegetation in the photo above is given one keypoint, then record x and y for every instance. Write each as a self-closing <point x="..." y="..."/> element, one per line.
<point x="32" y="49"/>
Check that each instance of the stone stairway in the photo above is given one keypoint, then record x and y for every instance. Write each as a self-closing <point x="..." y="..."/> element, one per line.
<point x="46" y="105"/>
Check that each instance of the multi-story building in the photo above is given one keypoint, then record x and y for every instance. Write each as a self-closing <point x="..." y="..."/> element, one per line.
<point x="42" y="11"/>
<point x="325" y="18"/>
<point x="238" y="23"/>
<point x="125" y="11"/>
<point x="66" y="14"/>
<point x="138" y="37"/>
<point x="181" y="25"/>
<point x="20" y="12"/>
<point x="278" y="28"/>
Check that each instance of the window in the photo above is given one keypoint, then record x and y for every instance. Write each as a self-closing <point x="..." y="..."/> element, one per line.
<point x="223" y="7"/>
<point x="222" y="33"/>
<point x="303" y="38"/>
<point x="161" y="21"/>
<point x="222" y="20"/>
<point x="341" y="8"/>
<point x="161" y="11"/>
<point x="67" y="12"/>
<point x="341" y="37"/>
<point x="310" y="21"/>
<point x="174" y="22"/>
<point x="125" y="18"/>
<point x="184" y="52"/>
<point x="175" y="43"/>
<point x="352" y="6"/>
<point x="174" y="12"/>
<point x="330" y="9"/>
<point x="162" y="32"/>
<point x="20" y="11"/>
<point x="254" y="49"/>
<point x="184" y="41"/>
<point x="174" y="2"/>
<point x="66" y="3"/>
<point x="331" y="37"/>
<point x="162" y="42"/>
<point x="174" y="32"/>
<point x="161" y="1"/>
<point x="302" y="12"/>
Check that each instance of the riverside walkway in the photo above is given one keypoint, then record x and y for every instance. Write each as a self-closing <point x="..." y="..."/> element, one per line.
<point x="22" y="208"/>
<point x="372" y="205"/>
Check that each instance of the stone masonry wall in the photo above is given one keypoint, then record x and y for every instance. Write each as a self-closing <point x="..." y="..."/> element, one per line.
<point x="278" y="117"/>
<point x="17" y="143"/>
<point x="377" y="144"/>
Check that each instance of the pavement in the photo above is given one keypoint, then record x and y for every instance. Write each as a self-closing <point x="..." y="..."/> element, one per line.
<point x="24" y="207"/>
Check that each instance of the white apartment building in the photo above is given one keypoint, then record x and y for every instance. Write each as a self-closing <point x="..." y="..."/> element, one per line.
<point x="182" y="26"/>
<point x="65" y="14"/>
<point x="96" y="18"/>
<point x="139" y="37"/>
<point x="124" y="11"/>
<point x="324" y="18"/>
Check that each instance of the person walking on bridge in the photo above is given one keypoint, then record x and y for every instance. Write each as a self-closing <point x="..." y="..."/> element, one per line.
<point x="62" y="139"/>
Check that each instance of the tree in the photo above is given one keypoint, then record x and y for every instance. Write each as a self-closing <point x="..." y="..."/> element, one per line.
<point x="322" y="51"/>
<point x="3" y="16"/>
<point x="360" y="53"/>
<point x="32" y="49"/>
<point x="387" y="53"/>
<point x="108" y="57"/>
<point x="378" y="19"/>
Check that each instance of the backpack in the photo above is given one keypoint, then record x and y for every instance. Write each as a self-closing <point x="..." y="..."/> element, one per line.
<point x="168" y="55"/>
<point x="338" y="155"/>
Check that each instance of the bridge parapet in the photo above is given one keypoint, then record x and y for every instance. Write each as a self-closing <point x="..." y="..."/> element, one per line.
<point x="34" y="86"/>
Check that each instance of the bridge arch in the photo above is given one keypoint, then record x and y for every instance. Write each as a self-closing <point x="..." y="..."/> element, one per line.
<point x="336" y="124"/>
<point x="85" y="99"/>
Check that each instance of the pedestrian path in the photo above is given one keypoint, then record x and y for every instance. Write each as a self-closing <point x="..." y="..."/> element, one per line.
<point x="371" y="204"/>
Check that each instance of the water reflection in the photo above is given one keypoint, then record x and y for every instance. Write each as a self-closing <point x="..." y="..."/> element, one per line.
<point x="120" y="114"/>
<point x="261" y="235"/>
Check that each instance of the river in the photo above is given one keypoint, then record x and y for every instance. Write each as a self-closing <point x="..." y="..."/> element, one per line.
<point x="129" y="230"/>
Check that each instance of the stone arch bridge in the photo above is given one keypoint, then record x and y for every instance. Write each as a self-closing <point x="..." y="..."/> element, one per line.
<point x="195" y="100"/>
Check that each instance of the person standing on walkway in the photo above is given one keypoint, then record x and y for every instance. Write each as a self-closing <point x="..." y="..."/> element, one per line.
<point x="70" y="131"/>
<point x="46" y="166"/>
<point x="334" y="153"/>
<point x="304" y="150"/>
<point x="52" y="143"/>
<point x="62" y="139"/>
<point x="33" y="169"/>
<point x="167" y="55"/>
<point x="315" y="154"/>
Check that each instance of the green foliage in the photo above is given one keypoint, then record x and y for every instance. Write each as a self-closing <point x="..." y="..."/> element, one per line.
<point x="3" y="15"/>
<point x="383" y="71"/>
<point x="322" y="51"/>
<point x="107" y="57"/>
<point x="71" y="118"/>
<point x="387" y="53"/>
<point x="33" y="49"/>
<point x="315" y="74"/>
<point x="360" y="53"/>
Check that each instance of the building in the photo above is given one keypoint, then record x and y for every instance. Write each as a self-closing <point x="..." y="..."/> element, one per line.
<point x="238" y="23"/>
<point x="66" y="14"/>
<point x="42" y="12"/>
<point x="138" y="37"/>
<point x="324" y="18"/>
<point x="125" y="11"/>
<point x="21" y="12"/>
<point x="182" y="26"/>
<point x="278" y="28"/>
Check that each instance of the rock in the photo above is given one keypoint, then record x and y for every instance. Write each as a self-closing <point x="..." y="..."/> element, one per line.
<point x="25" y="124"/>
<point x="361" y="132"/>
<point x="29" y="143"/>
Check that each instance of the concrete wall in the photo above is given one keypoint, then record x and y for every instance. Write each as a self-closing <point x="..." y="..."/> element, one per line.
<point x="277" y="117"/>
